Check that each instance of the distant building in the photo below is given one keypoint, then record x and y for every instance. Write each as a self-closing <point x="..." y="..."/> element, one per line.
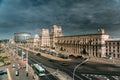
<point x="56" y="31"/>
<point x="113" y="48"/>
<point x="21" y="37"/>
<point x="44" y="38"/>
<point x="30" y="42"/>
<point x="36" y="41"/>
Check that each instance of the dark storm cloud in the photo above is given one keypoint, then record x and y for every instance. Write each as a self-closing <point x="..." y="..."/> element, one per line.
<point x="75" y="16"/>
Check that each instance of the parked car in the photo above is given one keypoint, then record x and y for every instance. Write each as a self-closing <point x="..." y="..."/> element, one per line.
<point x="38" y="54"/>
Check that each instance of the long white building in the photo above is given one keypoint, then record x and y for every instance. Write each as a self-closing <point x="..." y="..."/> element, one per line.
<point x="94" y="45"/>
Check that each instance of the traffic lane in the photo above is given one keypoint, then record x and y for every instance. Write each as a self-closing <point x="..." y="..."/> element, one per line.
<point x="48" y="76"/>
<point x="54" y="65"/>
<point x="22" y="73"/>
<point x="106" y="65"/>
<point x="87" y="72"/>
<point x="3" y="76"/>
<point x="94" y="66"/>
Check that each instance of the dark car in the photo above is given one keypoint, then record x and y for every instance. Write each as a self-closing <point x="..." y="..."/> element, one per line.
<point x="3" y="72"/>
<point x="38" y="54"/>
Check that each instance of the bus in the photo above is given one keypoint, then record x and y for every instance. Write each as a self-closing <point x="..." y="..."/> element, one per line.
<point x="39" y="70"/>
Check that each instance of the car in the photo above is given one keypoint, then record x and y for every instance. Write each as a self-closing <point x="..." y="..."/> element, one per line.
<point x="38" y="54"/>
<point x="17" y="73"/>
<point x="1" y="72"/>
<point x="4" y="71"/>
<point x="13" y="66"/>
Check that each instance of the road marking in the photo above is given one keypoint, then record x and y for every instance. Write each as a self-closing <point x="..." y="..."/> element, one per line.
<point x="9" y="76"/>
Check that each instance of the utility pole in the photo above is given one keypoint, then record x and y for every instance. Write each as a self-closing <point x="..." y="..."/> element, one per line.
<point x="26" y="62"/>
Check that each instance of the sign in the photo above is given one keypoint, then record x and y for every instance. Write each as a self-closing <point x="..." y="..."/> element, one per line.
<point x="25" y="60"/>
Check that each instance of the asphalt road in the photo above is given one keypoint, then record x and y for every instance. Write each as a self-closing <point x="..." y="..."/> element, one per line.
<point x="22" y="72"/>
<point x="87" y="71"/>
<point x="48" y="75"/>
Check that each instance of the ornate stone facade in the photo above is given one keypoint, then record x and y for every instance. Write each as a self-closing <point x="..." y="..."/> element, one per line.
<point x="45" y="38"/>
<point x="56" y="31"/>
<point x="91" y="44"/>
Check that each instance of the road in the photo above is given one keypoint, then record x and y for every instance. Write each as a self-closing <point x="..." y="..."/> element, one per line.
<point x="32" y="60"/>
<point x="22" y="72"/>
<point x="86" y="71"/>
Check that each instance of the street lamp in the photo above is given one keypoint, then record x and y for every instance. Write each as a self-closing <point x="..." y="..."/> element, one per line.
<point x="27" y="63"/>
<point x="78" y="66"/>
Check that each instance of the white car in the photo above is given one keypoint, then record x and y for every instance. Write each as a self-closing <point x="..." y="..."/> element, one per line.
<point x="13" y="66"/>
<point x="17" y="73"/>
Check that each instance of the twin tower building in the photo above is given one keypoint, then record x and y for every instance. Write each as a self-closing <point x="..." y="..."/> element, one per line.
<point x="93" y="45"/>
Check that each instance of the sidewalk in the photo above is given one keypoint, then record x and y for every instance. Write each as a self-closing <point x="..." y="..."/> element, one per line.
<point x="47" y="55"/>
<point x="103" y="60"/>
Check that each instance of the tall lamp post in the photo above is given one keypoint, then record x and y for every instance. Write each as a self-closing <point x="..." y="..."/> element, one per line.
<point x="27" y="63"/>
<point x="26" y="59"/>
<point x="78" y="66"/>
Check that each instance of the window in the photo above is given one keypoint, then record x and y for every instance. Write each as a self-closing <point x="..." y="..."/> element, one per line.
<point x="109" y="43"/>
<point x="113" y="50"/>
<point x="113" y="43"/>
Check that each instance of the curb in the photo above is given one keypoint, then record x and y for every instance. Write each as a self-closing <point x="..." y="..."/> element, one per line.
<point x="9" y="76"/>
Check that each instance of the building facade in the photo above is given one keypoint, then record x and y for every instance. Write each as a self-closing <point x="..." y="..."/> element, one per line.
<point x="90" y="44"/>
<point x="21" y="37"/>
<point x="93" y="45"/>
<point x="44" y="38"/>
<point x="113" y="48"/>
<point x="36" y="41"/>
<point x="56" y="31"/>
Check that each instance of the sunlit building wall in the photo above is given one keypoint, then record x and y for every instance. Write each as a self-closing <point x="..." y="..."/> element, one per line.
<point x="113" y="48"/>
<point x="89" y="44"/>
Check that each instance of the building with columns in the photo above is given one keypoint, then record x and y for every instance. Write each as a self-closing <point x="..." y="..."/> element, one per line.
<point x="91" y="44"/>
<point x="94" y="45"/>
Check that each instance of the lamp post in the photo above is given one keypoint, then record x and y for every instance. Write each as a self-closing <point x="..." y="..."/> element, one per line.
<point x="27" y="63"/>
<point x="26" y="59"/>
<point x="78" y="66"/>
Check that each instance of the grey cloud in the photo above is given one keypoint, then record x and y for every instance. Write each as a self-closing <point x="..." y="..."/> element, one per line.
<point x="75" y="16"/>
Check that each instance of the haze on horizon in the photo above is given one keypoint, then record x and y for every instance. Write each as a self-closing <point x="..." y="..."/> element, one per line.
<point x="75" y="16"/>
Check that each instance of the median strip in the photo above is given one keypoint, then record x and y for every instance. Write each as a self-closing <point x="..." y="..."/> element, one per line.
<point x="8" y="73"/>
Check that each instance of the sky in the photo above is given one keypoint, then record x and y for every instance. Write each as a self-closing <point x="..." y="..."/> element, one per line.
<point x="76" y="17"/>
